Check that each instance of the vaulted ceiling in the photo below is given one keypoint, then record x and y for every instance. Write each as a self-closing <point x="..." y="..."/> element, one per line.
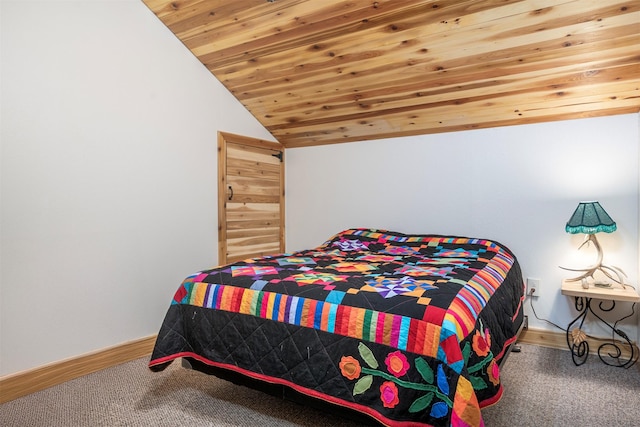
<point x="327" y="71"/>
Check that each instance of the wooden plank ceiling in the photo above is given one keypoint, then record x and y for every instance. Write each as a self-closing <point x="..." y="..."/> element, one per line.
<point x="326" y="71"/>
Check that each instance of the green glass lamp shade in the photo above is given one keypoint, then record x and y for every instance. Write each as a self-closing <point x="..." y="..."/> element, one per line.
<point x="590" y="218"/>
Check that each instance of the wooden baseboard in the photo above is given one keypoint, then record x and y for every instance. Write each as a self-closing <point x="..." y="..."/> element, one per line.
<point x="22" y="383"/>
<point x="558" y="340"/>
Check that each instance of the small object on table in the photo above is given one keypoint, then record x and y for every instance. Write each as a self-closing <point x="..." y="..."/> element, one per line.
<point x="602" y="284"/>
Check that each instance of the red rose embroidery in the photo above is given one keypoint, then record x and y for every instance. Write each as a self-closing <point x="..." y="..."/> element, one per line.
<point x="482" y="343"/>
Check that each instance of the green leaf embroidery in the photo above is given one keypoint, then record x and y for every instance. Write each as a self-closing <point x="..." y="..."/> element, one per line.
<point x="425" y="370"/>
<point x="466" y="352"/>
<point x="477" y="383"/>
<point x="421" y="403"/>
<point x="363" y="384"/>
<point x="367" y="356"/>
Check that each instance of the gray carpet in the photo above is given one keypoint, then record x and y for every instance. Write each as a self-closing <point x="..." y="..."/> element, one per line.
<point x="542" y="388"/>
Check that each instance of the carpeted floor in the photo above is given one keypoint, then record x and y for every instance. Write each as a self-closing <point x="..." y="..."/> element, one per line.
<point x="542" y="388"/>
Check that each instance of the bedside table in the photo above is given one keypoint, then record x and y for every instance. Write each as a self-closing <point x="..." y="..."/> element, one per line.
<point x="576" y="339"/>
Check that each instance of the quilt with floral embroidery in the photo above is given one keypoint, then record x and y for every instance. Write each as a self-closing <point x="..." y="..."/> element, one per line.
<point x="408" y="329"/>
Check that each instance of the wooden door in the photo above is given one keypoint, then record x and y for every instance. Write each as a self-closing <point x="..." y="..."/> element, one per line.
<point x="250" y="198"/>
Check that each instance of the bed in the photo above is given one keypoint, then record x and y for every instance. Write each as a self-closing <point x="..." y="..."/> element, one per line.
<point x="401" y="329"/>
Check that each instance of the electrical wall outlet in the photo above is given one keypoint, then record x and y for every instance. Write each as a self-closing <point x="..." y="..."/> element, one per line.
<point x="533" y="287"/>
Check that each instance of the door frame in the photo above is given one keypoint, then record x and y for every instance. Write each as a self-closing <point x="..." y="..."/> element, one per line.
<point x="223" y="138"/>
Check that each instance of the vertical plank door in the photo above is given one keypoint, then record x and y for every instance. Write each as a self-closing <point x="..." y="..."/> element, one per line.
<point x="250" y="198"/>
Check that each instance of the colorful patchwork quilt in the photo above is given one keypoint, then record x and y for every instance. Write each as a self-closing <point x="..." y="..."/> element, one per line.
<point x="409" y="329"/>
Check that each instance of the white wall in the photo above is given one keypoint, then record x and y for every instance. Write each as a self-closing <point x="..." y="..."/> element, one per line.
<point x="108" y="180"/>
<point x="517" y="185"/>
<point x="108" y="174"/>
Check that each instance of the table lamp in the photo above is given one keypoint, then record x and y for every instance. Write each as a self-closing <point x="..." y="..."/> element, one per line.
<point x="590" y="218"/>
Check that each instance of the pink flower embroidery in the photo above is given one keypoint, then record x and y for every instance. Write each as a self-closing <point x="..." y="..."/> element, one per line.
<point x="397" y="364"/>
<point x="494" y="373"/>
<point x="389" y="394"/>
